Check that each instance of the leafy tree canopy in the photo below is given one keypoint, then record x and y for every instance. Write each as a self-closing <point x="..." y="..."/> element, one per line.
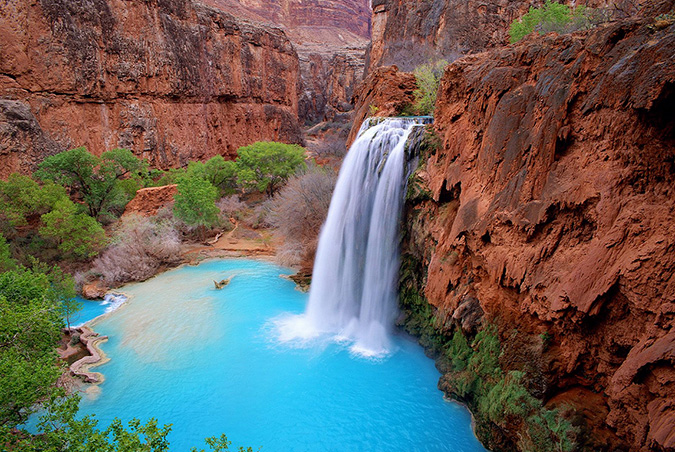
<point x="74" y="233"/>
<point x="195" y="202"/>
<point x="221" y="173"/>
<point x="21" y="197"/>
<point x="95" y="179"/>
<point x="29" y="331"/>
<point x="266" y="165"/>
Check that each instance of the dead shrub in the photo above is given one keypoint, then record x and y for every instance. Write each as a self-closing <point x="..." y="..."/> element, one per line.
<point x="141" y="247"/>
<point x="298" y="211"/>
<point x="231" y="207"/>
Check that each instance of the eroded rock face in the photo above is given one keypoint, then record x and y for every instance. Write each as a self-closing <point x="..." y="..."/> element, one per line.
<point x="385" y="92"/>
<point x="352" y="16"/>
<point x="330" y="36"/>
<point x="410" y="32"/>
<point x="149" y="201"/>
<point x="172" y="80"/>
<point x="552" y="207"/>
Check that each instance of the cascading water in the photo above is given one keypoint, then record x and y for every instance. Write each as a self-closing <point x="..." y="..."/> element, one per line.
<point x="353" y="292"/>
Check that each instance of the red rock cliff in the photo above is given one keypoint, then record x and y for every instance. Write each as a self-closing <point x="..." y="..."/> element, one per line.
<point x="352" y="16"/>
<point x="330" y="36"/>
<point x="552" y="212"/>
<point x="172" y="80"/>
<point x="411" y="32"/>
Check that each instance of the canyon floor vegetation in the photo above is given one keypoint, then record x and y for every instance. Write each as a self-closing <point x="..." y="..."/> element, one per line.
<point x="67" y="217"/>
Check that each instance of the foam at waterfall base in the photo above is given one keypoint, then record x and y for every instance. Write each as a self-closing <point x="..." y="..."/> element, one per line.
<point x="301" y="332"/>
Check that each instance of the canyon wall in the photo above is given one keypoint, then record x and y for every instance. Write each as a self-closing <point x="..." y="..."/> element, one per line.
<point x="172" y="80"/>
<point x="330" y="36"/>
<point x="546" y="209"/>
<point x="347" y="16"/>
<point x="409" y="32"/>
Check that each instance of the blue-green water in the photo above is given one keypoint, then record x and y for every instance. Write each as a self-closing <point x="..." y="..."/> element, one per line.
<point x="92" y="309"/>
<point x="210" y="362"/>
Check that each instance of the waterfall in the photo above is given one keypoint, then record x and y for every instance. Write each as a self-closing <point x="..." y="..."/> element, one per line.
<point x="353" y="293"/>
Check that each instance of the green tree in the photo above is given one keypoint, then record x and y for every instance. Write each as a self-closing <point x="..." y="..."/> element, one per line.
<point x="195" y="203"/>
<point x="428" y="78"/>
<point x="552" y="17"/>
<point x="6" y="261"/>
<point x="266" y="165"/>
<point x="29" y="332"/>
<point x="22" y="197"/>
<point x="221" y="173"/>
<point x="74" y="233"/>
<point x="96" y="180"/>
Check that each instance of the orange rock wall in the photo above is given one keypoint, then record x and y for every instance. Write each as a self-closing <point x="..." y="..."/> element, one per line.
<point x="172" y="80"/>
<point x="553" y="206"/>
<point x="411" y="32"/>
<point x="348" y="15"/>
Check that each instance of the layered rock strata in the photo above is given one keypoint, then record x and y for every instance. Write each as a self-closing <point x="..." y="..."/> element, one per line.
<point x="549" y="213"/>
<point x="409" y="32"/>
<point x="172" y="80"/>
<point x="330" y="36"/>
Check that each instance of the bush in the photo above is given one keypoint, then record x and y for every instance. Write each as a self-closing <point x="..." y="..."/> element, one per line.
<point x="231" y="206"/>
<point x="428" y="77"/>
<point x="195" y="203"/>
<point x="76" y="234"/>
<point x="140" y="248"/>
<point x="97" y="180"/>
<point x="299" y="210"/>
<point x="265" y="166"/>
<point x="552" y="17"/>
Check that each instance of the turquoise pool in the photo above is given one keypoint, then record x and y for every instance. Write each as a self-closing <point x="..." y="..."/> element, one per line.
<point x="210" y="362"/>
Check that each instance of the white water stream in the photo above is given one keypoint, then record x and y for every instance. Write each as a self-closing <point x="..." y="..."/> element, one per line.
<point x="353" y="294"/>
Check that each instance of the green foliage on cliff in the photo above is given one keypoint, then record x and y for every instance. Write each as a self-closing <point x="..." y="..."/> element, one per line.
<point x="475" y="375"/>
<point x="428" y="78"/>
<point x="552" y="17"/>
<point x="104" y="183"/>
<point x="500" y="397"/>
<point x="265" y="166"/>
